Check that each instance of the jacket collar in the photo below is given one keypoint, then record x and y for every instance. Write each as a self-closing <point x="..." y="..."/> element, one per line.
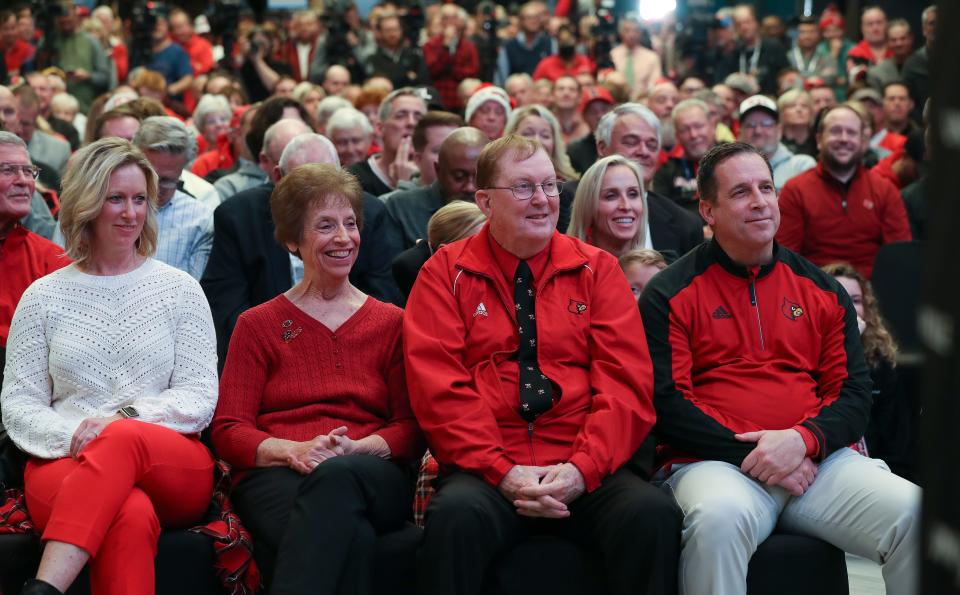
<point x="782" y="154"/>
<point x="477" y="257"/>
<point x="717" y="252"/>
<point x="829" y="179"/>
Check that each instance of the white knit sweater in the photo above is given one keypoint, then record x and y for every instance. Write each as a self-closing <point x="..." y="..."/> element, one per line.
<point x="84" y="346"/>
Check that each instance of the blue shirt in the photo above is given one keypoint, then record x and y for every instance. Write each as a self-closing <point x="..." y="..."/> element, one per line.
<point x="185" y="234"/>
<point x="172" y="62"/>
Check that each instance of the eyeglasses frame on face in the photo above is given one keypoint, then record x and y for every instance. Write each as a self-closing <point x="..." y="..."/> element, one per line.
<point x="765" y="125"/>
<point x="11" y="169"/>
<point x="533" y="189"/>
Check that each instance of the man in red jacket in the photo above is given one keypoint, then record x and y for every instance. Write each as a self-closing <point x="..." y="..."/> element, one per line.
<point x="839" y="211"/>
<point x="451" y="56"/>
<point x="528" y="373"/>
<point x="760" y="386"/>
<point x="24" y="256"/>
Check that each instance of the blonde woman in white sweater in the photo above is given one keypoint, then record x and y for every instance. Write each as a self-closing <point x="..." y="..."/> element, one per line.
<point x="110" y="377"/>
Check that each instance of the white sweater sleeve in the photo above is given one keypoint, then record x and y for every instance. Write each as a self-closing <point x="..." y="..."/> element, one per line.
<point x="187" y="405"/>
<point x="28" y="416"/>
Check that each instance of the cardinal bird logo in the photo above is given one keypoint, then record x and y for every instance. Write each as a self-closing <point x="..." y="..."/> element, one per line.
<point x="576" y="307"/>
<point x="791" y="309"/>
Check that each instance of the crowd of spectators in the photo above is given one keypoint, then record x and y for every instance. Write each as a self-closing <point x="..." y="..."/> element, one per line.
<point x="254" y="147"/>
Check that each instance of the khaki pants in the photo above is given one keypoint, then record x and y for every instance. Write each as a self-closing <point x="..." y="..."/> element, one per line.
<point x="855" y="503"/>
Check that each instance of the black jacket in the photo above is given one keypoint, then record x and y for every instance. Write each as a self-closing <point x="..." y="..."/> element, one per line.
<point x="407" y="265"/>
<point x="583" y="152"/>
<point x="405" y="69"/>
<point x="247" y="266"/>
<point x="368" y="180"/>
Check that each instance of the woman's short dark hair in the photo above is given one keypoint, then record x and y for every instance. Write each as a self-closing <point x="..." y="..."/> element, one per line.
<point x="309" y="187"/>
<point x="706" y="175"/>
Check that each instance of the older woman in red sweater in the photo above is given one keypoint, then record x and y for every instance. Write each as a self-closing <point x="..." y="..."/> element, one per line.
<point x="313" y="409"/>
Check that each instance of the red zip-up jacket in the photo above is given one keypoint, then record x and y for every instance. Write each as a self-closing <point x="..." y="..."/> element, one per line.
<point x="827" y="221"/>
<point x="460" y="342"/>
<point x="738" y="350"/>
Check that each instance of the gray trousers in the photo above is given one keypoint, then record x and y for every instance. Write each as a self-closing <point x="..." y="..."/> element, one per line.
<point x="855" y="503"/>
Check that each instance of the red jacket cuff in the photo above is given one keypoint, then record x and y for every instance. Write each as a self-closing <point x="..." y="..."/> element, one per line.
<point x="591" y="475"/>
<point x="495" y="473"/>
<point x="813" y="447"/>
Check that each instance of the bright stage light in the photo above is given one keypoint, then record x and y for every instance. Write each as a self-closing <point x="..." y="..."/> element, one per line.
<point x="651" y="10"/>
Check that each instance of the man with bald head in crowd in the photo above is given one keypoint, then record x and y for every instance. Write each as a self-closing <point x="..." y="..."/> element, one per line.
<point x="247" y="266"/>
<point x="409" y="212"/>
<point x="335" y="80"/>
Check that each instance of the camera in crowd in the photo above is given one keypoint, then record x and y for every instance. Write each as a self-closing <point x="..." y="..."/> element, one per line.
<point x="224" y="17"/>
<point x="142" y="16"/>
<point x="605" y="33"/>
<point x="45" y="15"/>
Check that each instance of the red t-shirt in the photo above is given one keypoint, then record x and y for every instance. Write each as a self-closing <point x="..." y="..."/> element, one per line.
<point x="18" y="54"/>
<point x="24" y="258"/>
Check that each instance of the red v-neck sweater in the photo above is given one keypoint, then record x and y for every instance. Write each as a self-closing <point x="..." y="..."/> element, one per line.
<point x="288" y="376"/>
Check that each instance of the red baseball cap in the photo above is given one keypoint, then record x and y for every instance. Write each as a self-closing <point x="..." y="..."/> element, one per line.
<point x="595" y="93"/>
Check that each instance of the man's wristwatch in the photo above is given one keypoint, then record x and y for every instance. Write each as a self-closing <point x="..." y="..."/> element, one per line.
<point x="129" y="412"/>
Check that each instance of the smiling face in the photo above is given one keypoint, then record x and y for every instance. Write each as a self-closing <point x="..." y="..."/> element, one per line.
<point x="633" y="138"/>
<point x="522" y="227"/>
<point x="120" y="221"/>
<point x="759" y="128"/>
<point x="536" y="128"/>
<point x="619" y="207"/>
<point x="841" y="142"/>
<point x="744" y="214"/>
<point x="16" y="191"/>
<point x="330" y="240"/>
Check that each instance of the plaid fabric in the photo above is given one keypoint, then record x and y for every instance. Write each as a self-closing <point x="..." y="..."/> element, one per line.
<point x="232" y="544"/>
<point x="14" y="517"/>
<point x="428" y="472"/>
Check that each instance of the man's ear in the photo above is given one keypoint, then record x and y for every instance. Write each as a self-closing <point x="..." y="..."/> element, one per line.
<point x="706" y="211"/>
<point x="601" y="148"/>
<point x="482" y="198"/>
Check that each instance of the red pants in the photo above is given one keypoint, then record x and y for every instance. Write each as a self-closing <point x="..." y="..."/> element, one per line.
<point x="132" y="479"/>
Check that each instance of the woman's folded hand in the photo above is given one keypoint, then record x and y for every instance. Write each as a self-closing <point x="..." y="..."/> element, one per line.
<point x="305" y="456"/>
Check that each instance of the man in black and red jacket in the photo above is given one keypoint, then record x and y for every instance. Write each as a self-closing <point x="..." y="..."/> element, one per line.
<point x="760" y="385"/>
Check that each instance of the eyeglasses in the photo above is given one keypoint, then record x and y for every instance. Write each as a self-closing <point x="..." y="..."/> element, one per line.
<point x="765" y="124"/>
<point x="10" y="170"/>
<point x="526" y="190"/>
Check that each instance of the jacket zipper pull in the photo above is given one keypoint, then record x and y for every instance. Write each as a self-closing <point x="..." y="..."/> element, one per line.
<point x="530" y="429"/>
